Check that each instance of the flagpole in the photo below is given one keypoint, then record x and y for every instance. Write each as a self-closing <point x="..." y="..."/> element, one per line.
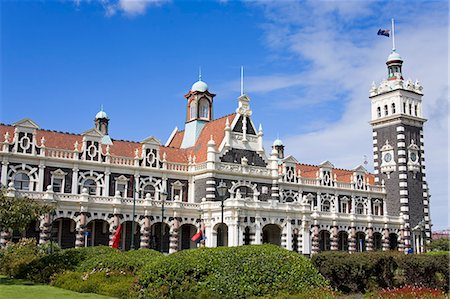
<point x="393" y="35"/>
<point x="242" y="80"/>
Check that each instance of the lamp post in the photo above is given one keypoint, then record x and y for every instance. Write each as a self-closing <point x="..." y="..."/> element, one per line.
<point x="163" y="196"/>
<point x="221" y="190"/>
<point x="134" y="212"/>
<point x="238" y="225"/>
<point x="202" y="240"/>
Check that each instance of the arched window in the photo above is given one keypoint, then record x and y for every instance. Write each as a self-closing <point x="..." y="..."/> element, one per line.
<point x="91" y="186"/>
<point x="378" y="111"/>
<point x="360" y="242"/>
<point x="204" y="108"/>
<point x="386" y="110"/>
<point x="193" y="110"/>
<point x="21" y="181"/>
<point x="343" y="241"/>
<point x="326" y="206"/>
<point x="324" y="240"/>
<point x="360" y="209"/>
<point x="247" y="236"/>
<point x="393" y="108"/>
<point x="150" y="189"/>
<point x="377" y="241"/>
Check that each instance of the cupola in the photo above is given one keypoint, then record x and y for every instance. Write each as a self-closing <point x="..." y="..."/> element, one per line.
<point x="394" y="64"/>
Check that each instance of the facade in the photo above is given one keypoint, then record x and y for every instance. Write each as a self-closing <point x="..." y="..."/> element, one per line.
<point x="93" y="181"/>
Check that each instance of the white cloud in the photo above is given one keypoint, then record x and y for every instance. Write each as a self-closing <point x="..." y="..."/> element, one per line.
<point x="338" y="40"/>
<point x="127" y="7"/>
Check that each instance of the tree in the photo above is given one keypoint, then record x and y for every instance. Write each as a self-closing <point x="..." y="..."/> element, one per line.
<point x="16" y="213"/>
<point x="442" y="244"/>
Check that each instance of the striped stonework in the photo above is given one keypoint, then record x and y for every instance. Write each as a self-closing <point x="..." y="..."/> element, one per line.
<point x="403" y="182"/>
<point x="426" y="199"/>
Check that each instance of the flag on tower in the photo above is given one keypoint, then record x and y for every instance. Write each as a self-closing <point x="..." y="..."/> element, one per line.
<point x="116" y="238"/>
<point x="385" y="32"/>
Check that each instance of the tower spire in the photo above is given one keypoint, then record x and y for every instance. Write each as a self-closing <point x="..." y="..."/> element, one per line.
<point x="242" y="80"/>
<point x="393" y="35"/>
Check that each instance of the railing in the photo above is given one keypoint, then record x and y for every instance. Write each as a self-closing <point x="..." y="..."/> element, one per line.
<point x="59" y="153"/>
<point x="122" y="161"/>
<point x="177" y="166"/>
<point x="200" y="166"/>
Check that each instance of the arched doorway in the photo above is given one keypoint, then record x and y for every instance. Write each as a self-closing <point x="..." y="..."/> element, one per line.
<point x="343" y="241"/>
<point x="221" y="234"/>
<point x="125" y="236"/>
<point x="324" y="240"/>
<point x="247" y="237"/>
<point x="65" y="233"/>
<point x="272" y="234"/>
<point x="360" y="242"/>
<point x="393" y="241"/>
<point x="187" y="231"/>
<point x="98" y="233"/>
<point x="159" y="243"/>
<point x="377" y="241"/>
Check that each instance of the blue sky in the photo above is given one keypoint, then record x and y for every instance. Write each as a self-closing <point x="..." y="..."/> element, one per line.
<point x="308" y="68"/>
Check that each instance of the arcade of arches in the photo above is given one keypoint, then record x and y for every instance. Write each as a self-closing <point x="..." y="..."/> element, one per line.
<point x="160" y="236"/>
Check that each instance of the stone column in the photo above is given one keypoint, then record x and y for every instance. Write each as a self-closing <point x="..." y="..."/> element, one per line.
<point x="145" y="232"/>
<point x="352" y="240"/>
<point x="369" y="239"/>
<point x="334" y="238"/>
<point x="81" y="229"/>
<point x="315" y="248"/>
<point x="385" y="239"/>
<point x="306" y="246"/>
<point x="258" y="231"/>
<point x="288" y="234"/>
<point x="75" y="180"/>
<point x="45" y="229"/>
<point x="174" y="234"/>
<point x="106" y="187"/>
<point x="40" y="183"/>
<point x="4" y="178"/>
<point x="113" y="226"/>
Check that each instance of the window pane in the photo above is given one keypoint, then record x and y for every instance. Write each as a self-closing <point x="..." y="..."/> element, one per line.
<point x="57" y="185"/>
<point x="91" y="186"/>
<point x="21" y="181"/>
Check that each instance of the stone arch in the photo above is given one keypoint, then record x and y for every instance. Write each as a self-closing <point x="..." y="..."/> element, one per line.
<point x="234" y="193"/>
<point x="220" y="233"/>
<point x="324" y="240"/>
<point x="157" y="184"/>
<point x="98" y="232"/>
<point x="160" y="236"/>
<point x="65" y="231"/>
<point x="187" y="230"/>
<point x="360" y="241"/>
<point x="125" y="236"/>
<point x="290" y="196"/>
<point x="343" y="240"/>
<point x="377" y="239"/>
<point x="97" y="177"/>
<point x="272" y="234"/>
<point x="393" y="241"/>
<point x="30" y="171"/>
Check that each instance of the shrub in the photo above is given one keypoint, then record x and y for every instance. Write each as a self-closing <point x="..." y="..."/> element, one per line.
<point x="229" y="272"/>
<point x="17" y="256"/>
<point x="359" y="272"/>
<point x="442" y="244"/>
<point x="115" y="283"/>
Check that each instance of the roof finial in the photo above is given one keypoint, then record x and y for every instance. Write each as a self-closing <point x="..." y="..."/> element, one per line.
<point x="101" y="107"/>
<point x="199" y="73"/>
<point x="242" y="80"/>
<point x="393" y="35"/>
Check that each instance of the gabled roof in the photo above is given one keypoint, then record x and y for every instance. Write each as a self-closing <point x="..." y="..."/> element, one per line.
<point x="26" y="122"/>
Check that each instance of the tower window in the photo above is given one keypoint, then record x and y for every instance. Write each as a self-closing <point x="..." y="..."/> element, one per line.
<point x="378" y="111"/>
<point x="204" y="109"/>
<point x="193" y="110"/>
<point x="404" y="107"/>
<point x="415" y="110"/>
<point x="393" y="108"/>
<point x="385" y="110"/>
<point x="410" y="109"/>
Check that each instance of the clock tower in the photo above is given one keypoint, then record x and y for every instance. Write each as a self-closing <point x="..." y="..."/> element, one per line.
<point x="398" y="148"/>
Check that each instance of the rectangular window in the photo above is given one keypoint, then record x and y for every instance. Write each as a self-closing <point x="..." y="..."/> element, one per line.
<point x="121" y="189"/>
<point x="344" y="207"/>
<point x="57" y="185"/>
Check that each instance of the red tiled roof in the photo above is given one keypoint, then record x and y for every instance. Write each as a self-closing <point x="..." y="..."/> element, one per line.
<point x="177" y="139"/>
<point x="342" y="175"/>
<point x="59" y="140"/>
<point x="4" y="129"/>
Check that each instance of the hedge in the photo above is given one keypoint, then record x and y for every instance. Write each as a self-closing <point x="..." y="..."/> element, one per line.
<point x="359" y="272"/>
<point x="229" y="272"/>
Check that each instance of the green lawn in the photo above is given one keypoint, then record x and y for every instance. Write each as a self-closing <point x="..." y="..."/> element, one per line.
<point x="16" y="288"/>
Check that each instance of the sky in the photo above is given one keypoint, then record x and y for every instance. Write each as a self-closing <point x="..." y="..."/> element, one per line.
<point x="308" y="69"/>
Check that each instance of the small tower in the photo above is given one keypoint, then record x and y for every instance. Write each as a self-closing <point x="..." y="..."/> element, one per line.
<point x="398" y="148"/>
<point x="279" y="147"/>
<point x="199" y="112"/>
<point x="102" y="124"/>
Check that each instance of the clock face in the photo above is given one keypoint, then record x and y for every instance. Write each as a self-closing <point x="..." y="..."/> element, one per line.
<point x="413" y="157"/>
<point x="388" y="157"/>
